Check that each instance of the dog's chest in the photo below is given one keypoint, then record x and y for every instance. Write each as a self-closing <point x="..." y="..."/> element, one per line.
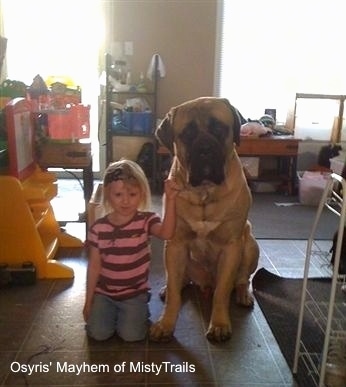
<point x="199" y="212"/>
<point x="203" y="227"/>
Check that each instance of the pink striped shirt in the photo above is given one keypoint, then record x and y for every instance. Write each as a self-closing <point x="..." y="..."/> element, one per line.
<point x="125" y="254"/>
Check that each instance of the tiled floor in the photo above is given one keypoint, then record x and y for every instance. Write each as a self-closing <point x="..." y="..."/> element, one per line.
<point x="43" y="342"/>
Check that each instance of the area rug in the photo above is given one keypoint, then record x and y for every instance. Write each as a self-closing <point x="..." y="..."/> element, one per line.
<point x="275" y="216"/>
<point x="279" y="300"/>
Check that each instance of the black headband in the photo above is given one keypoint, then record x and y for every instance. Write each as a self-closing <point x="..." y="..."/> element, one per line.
<point x="117" y="174"/>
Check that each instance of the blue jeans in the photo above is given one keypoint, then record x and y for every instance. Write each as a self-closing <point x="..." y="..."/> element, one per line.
<point x="128" y="318"/>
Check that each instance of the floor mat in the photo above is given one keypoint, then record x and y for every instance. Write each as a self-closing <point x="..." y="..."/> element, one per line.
<point x="279" y="300"/>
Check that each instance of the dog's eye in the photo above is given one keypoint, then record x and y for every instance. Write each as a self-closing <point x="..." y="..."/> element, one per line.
<point x="218" y="129"/>
<point x="189" y="133"/>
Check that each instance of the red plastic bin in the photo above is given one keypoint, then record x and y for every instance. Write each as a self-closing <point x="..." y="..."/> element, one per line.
<point x="69" y="124"/>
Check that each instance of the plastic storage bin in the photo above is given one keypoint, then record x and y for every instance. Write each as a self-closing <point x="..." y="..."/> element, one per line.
<point x="311" y="186"/>
<point x="118" y="125"/>
<point x="138" y="122"/>
<point x="69" y="124"/>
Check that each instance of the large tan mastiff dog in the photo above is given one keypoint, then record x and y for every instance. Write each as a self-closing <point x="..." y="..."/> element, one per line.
<point x="213" y="245"/>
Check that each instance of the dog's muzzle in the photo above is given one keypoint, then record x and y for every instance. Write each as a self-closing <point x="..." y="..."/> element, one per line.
<point x="207" y="160"/>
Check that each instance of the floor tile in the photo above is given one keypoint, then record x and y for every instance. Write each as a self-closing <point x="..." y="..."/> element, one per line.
<point x="43" y="325"/>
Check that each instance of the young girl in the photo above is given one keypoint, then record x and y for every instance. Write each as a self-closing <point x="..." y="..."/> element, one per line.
<point x="117" y="291"/>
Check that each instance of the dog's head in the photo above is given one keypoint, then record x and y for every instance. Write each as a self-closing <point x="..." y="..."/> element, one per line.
<point x="201" y="133"/>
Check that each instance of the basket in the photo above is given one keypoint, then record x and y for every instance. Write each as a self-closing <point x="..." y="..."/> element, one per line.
<point x="311" y="186"/>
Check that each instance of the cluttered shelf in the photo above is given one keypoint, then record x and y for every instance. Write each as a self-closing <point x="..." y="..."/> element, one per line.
<point x="130" y="106"/>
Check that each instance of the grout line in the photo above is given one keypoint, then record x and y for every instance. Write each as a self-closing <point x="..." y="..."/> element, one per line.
<point x="30" y="329"/>
<point x="260" y="328"/>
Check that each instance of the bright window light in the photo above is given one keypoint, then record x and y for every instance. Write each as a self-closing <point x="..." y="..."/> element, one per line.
<point x="271" y="50"/>
<point x="56" y="38"/>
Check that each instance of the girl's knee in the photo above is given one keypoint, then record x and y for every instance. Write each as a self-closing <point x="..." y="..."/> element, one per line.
<point x="99" y="335"/>
<point x="132" y="336"/>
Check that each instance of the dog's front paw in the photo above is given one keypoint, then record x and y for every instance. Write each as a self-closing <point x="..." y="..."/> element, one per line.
<point x="243" y="296"/>
<point x="219" y="333"/>
<point x="160" y="333"/>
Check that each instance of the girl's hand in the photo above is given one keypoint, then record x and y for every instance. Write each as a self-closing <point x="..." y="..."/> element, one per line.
<point x="86" y="312"/>
<point x="171" y="189"/>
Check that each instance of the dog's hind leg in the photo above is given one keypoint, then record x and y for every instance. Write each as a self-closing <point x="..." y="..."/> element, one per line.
<point x="247" y="267"/>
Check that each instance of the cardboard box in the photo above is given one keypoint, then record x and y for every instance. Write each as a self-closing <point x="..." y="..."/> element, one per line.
<point x="64" y="155"/>
<point x="264" y="186"/>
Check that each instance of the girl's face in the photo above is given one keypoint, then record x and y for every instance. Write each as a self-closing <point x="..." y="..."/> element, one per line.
<point x="124" y="198"/>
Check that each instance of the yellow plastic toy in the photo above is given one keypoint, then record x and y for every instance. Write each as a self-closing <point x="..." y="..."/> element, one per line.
<point x="29" y="230"/>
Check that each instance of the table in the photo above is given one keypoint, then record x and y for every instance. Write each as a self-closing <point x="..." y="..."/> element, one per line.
<point x="283" y="148"/>
<point x="69" y="156"/>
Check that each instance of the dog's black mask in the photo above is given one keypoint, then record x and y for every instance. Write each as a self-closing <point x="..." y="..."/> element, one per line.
<point x="205" y="150"/>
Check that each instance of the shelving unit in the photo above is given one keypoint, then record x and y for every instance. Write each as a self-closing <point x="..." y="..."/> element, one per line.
<point x="328" y="315"/>
<point x="120" y="96"/>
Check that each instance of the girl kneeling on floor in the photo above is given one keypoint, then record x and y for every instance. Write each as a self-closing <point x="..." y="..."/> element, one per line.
<point x="117" y="292"/>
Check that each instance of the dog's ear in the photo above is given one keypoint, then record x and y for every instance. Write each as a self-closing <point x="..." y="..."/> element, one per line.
<point x="237" y="121"/>
<point x="165" y="132"/>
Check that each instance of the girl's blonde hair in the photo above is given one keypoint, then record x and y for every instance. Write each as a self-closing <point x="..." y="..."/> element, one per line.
<point x="131" y="173"/>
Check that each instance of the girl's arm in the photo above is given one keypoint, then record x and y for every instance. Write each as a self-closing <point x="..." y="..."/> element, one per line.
<point x="165" y="229"/>
<point x="93" y="272"/>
